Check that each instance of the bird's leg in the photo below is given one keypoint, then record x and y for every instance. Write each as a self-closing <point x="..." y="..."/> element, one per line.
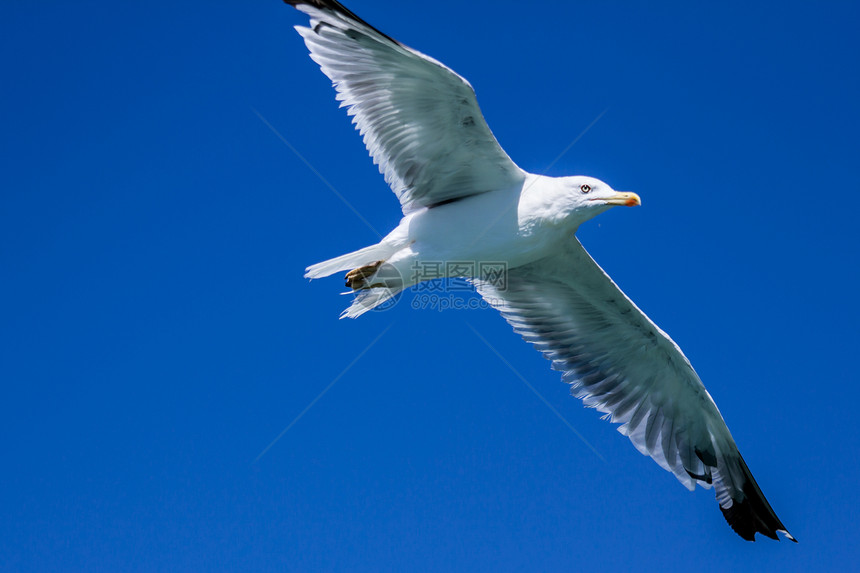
<point x="355" y="279"/>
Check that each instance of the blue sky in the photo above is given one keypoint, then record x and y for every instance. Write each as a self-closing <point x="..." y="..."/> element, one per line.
<point x="157" y="333"/>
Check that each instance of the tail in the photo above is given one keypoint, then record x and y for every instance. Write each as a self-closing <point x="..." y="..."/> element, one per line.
<point x="373" y="285"/>
<point x="349" y="261"/>
<point x="369" y="299"/>
<point x="373" y="281"/>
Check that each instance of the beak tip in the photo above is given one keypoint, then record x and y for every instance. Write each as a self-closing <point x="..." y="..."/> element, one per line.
<point x="625" y="198"/>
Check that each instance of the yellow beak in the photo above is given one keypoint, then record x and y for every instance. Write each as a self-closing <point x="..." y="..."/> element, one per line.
<point x="626" y="199"/>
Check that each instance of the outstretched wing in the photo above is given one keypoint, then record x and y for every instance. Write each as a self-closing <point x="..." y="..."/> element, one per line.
<point x="420" y="121"/>
<point x="619" y="362"/>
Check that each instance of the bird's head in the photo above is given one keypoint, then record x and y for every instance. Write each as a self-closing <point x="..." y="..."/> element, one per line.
<point x="570" y="201"/>
<point x="590" y="193"/>
<point x="585" y="197"/>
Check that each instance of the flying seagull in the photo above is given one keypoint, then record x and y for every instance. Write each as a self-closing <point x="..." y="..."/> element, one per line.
<point x="464" y="199"/>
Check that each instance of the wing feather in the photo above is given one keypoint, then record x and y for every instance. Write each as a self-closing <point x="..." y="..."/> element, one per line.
<point x="620" y="363"/>
<point x="420" y="121"/>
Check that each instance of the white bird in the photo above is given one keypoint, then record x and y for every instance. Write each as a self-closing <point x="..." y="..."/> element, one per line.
<point x="463" y="199"/>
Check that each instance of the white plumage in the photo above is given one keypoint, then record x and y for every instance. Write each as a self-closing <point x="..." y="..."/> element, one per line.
<point x="463" y="199"/>
<point x="420" y="120"/>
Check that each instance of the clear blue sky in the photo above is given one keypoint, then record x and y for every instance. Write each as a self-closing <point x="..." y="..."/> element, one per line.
<point x="157" y="333"/>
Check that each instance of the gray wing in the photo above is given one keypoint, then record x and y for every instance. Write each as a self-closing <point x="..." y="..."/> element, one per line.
<point x="620" y="363"/>
<point x="420" y="121"/>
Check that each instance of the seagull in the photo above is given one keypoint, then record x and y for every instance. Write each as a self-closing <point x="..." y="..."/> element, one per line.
<point x="465" y="201"/>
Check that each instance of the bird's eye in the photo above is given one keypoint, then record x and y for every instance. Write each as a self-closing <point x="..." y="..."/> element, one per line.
<point x="585" y="188"/>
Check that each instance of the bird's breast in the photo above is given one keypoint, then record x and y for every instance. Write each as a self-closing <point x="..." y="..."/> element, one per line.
<point x="482" y="229"/>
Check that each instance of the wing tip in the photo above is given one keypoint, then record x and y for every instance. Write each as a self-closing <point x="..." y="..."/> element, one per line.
<point x="314" y="3"/>
<point x="753" y="514"/>
<point x="336" y="7"/>
<point x="746" y="523"/>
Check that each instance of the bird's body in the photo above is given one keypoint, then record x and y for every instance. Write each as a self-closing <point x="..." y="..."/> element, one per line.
<point x="505" y="228"/>
<point x="516" y="225"/>
<point x="470" y="212"/>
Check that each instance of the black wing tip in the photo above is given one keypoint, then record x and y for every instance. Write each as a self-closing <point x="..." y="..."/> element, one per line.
<point x="314" y="3"/>
<point x="746" y="522"/>
<point x="753" y="514"/>
<point x="336" y="6"/>
<point x="333" y="5"/>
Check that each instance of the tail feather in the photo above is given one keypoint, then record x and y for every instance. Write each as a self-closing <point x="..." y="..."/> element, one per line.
<point x="373" y="285"/>
<point x="349" y="261"/>
<point x="373" y="281"/>
<point x="369" y="299"/>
